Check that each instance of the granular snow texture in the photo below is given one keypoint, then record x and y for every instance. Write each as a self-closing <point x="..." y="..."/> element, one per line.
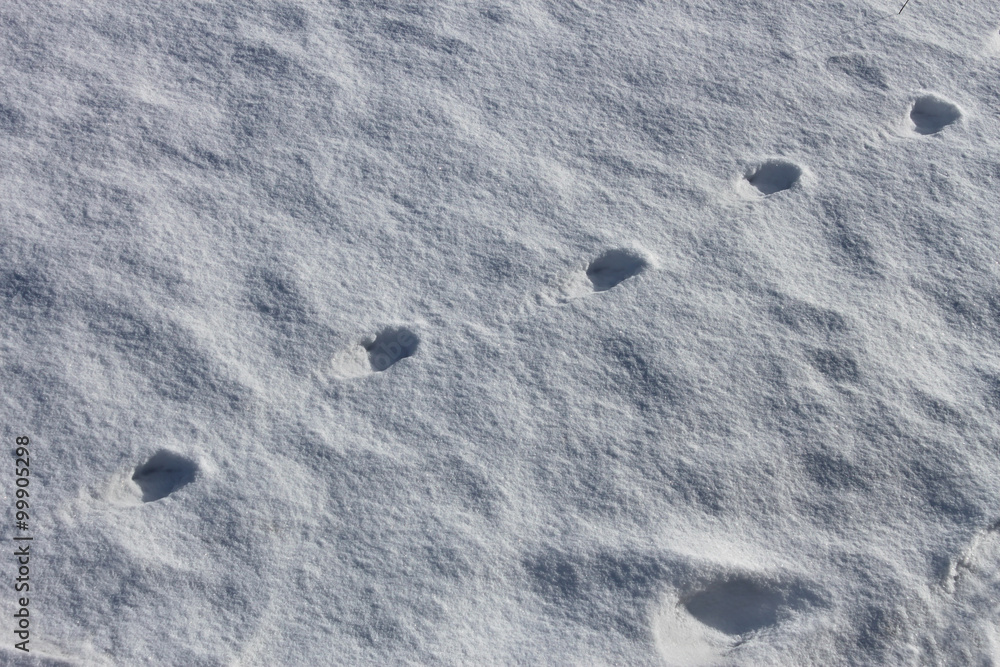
<point x="533" y="332"/>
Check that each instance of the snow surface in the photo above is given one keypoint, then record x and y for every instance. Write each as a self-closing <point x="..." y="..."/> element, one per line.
<point x="462" y="333"/>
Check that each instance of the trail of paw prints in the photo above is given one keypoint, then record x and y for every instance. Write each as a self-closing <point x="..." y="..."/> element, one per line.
<point x="769" y="178"/>
<point x="374" y="354"/>
<point x="930" y="114"/>
<point x="605" y="272"/>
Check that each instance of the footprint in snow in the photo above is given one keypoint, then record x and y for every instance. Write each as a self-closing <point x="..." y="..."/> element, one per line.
<point x="390" y="346"/>
<point x="614" y="267"/>
<point x="709" y="622"/>
<point x="375" y="354"/>
<point x="930" y="114"/>
<point x="773" y="176"/>
<point x="164" y="473"/>
<point x="735" y="607"/>
<point x="608" y="270"/>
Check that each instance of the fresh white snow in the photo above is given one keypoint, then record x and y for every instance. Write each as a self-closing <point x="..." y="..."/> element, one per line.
<point x="489" y="333"/>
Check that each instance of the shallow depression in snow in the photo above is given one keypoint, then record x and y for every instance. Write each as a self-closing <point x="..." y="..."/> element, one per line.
<point x="614" y="267"/>
<point x="735" y="607"/>
<point x="164" y="473"/>
<point x="931" y="114"/>
<point x="774" y="176"/>
<point x="390" y="346"/>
